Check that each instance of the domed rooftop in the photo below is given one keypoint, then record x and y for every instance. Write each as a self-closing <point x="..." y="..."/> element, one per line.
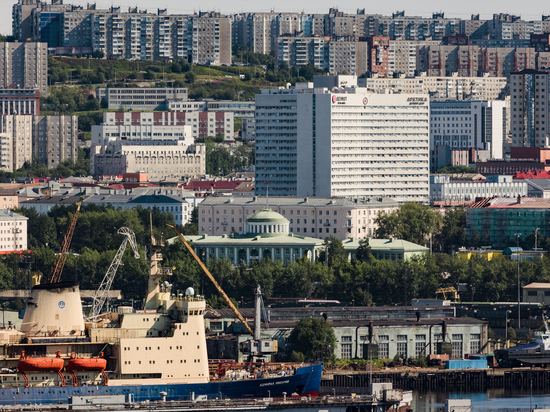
<point x="267" y="223"/>
<point x="266" y="216"/>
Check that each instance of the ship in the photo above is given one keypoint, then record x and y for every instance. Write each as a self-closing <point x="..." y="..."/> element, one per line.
<point x="157" y="353"/>
<point x="535" y="353"/>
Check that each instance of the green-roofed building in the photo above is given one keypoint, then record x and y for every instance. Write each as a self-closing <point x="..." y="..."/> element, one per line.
<point x="267" y="235"/>
<point x="392" y="249"/>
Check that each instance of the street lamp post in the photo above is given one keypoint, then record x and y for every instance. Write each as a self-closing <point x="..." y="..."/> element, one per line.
<point x="519" y="297"/>
<point x="536" y="243"/>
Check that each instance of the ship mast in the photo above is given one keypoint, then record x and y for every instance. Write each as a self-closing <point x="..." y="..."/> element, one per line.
<point x="156" y="272"/>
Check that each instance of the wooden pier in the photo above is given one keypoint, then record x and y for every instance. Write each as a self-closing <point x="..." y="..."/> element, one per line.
<point x="440" y="380"/>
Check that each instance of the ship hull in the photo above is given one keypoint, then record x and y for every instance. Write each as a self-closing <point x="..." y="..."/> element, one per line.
<point x="306" y="381"/>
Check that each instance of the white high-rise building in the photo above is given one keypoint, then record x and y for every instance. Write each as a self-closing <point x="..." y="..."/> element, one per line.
<point x="340" y="140"/>
<point x="482" y="125"/>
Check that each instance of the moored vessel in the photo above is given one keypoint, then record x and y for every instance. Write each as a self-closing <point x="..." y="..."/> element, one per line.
<point x="147" y="355"/>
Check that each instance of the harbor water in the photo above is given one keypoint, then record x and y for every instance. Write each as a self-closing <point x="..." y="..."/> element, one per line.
<point x="492" y="400"/>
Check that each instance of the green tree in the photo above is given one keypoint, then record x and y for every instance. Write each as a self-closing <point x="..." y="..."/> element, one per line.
<point x="453" y="230"/>
<point x="314" y="338"/>
<point x="412" y="222"/>
<point x="364" y="251"/>
<point x="334" y="251"/>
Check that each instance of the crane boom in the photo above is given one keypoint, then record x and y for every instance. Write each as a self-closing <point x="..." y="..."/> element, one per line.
<point x="102" y="292"/>
<point x="60" y="263"/>
<point x="216" y="285"/>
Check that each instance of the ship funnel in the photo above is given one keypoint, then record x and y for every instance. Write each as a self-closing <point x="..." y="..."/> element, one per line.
<point x="54" y="309"/>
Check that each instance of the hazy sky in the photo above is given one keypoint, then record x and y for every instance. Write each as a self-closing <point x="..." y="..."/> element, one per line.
<point x="528" y="9"/>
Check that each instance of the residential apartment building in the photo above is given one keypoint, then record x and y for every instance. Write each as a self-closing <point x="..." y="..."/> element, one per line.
<point x="52" y="139"/>
<point x="203" y="38"/>
<point x="341" y="143"/>
<point x="313" y="217"/>
<point x="140" y="98"/>
<point x="335" y="56"/>
<point x="470" y="60"/>
<point x="530" y="107"/>
<point x="55" y="139"/>
<point x="24" y="66"/>
<point x="402" y="56"/>
<point x="482" y="125"/>
<point x="379" y="55"/>
<point x="13" y="232"/>
<point x="440" y="87"/>
<point x="16" y="141"/>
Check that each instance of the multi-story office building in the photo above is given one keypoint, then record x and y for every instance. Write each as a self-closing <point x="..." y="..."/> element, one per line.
<point x="457" y="189"/>
<point x="24" y="66"/>
<point x="327" y="141"/>
<point x="19" y="101"/>
<point x="481" y="125"/>
<point x="529" y="104"/>
<point x="498" y="220"/>
<point x="55" y="139"/>
<point x="440" y="87"/>
<point x="157" y="145"/>
<point x="140" y="98"/>
<point x="315" y="217"/>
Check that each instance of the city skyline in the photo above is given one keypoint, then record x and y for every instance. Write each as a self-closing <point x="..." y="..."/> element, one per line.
<point x="529" y="10"/>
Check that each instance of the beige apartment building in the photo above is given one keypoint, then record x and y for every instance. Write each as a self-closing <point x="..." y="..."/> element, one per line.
<point x="24" y="66"/>
<point x="311" y="217"/>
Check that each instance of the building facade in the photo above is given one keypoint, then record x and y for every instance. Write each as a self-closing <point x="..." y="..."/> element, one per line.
<point x="140" y="98"/>
<point x="496" y="221"/>
<point x="153" y="143"/>
<point x="338" y="142"/>
<point x="314" y="217"/>
<point x="19" y="101"/>
<point x="445" y="189"/>
<point x="482" y="125"/>
<point x="13" y="232"/>
<point x="441" y="88"/>
<point x="55" y="139"/>
<point x="24" y="66"/>
<point x="529" y="108"/>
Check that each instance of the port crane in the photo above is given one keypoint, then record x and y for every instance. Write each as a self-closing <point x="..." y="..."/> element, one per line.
<point x="257" y="347"/>
<point x="55" y="276"/>
<point x="102" y="292"/>
<point x="453" y="293"/>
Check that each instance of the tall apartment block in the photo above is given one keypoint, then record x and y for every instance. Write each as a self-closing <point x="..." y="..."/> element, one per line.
<point x="55" y="139"/>
<point x="335" y="56"/>
<point x="16" y="134"/>
<point x="24" y="66"/>
<point x="440" y="88"/>
<point x="52" y="139"/>
<point x="341" y="141"/>
<point x="529" y="102"/>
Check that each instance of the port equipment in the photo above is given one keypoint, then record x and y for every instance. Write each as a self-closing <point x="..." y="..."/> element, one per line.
<point x="453" y="293"/>
<point x="216" y="285"/>
<point x="62" y="257"/>
<point x="102" y="292"/>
